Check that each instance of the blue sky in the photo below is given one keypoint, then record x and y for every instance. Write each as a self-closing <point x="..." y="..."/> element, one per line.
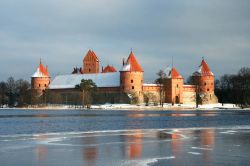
<point x="61" y="32"/>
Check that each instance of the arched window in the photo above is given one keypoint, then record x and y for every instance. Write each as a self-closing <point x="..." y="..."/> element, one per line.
<point x="132" y="81"/>
<point x="133" y="87"/>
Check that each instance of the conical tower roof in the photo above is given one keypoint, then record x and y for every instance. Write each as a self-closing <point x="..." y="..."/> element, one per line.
<point x="132" y="64"/>
<point x="173" y="74"/>
<point x="203" y="70"/>
<point x="41" y="71"/>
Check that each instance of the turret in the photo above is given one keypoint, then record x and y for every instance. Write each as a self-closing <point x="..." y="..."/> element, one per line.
<point x="203" y="78"/>
<point x="131" y="77"/>
<point x="40" y="80"/>
<point x="174" y="87"/>
<point x="90" y="63"/>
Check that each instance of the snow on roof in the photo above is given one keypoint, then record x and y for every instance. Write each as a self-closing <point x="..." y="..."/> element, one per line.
<point x="189" y="86"/>
<point x="100" y="79"/>
<point x="150" y="84"/>
<point x="132" y="64"/>
<point x="41" y="71"/>
<point x="203" y="70"/>
<point x="126" y="67"/>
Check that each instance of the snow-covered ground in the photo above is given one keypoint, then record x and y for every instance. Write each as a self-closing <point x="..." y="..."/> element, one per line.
<point x="166" y="106"/>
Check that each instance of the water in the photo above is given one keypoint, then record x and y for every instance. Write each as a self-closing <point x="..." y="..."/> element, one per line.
<point x="71" y="137"/>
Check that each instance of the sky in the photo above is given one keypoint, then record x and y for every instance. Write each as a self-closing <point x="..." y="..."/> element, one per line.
<point x="61" y="32"/>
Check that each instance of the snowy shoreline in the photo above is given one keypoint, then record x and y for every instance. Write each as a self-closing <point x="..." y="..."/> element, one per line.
<point x="131" y="107"/>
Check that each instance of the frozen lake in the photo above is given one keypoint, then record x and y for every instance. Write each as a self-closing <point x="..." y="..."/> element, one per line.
<point x="70" y="137"/>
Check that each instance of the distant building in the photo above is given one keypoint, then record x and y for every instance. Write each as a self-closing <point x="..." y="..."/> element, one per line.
<point x="126" y="85"/>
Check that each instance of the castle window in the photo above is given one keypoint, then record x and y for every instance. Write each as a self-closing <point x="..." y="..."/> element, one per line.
<point x="177" y="86"/>
<point x="89" y="70"/>
<point x="207" y="89"/>
<point x="45" y="85"/>
<point x="39" y="85"/>
<point x="205" y="83"/>
<point x="133" y="87"/>
<point x="132" y="81"/>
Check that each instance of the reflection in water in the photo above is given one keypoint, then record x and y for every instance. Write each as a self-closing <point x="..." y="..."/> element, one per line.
<point x="203" y="140"/>
<point x="133" y="146"/>
<point x="181" y="115"/>
<point x="176" y="143"/>
<point x="41" y="150"/>
<point x="89" y="152"/>
<point x="207" y="140"/>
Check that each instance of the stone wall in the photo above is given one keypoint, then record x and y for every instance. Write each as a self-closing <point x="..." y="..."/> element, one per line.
<point x="189" y="94"/>
<point x="74" y="97"/>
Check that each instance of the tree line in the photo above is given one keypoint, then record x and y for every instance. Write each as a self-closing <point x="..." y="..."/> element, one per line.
<point x="234" y="88"/>
<point x="15" y="93"/>
<point x="229" y="88"/>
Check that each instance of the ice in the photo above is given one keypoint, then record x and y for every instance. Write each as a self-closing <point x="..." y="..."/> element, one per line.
<point x="145" y="162"/>
<point x="201" y="148"/>
<point x="194" y="153"/>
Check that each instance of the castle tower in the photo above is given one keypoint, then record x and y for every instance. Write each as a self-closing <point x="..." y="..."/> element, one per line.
<point x="174" y="87"/>
<point x="40" y="80"/>
<point x="203" y="78"/>
<point x="90" y="63"/>
<point x="131" y="77"/>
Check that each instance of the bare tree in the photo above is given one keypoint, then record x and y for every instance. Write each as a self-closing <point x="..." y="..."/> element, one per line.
<point x="3" y="94"/>
<point x="161" y="80"/>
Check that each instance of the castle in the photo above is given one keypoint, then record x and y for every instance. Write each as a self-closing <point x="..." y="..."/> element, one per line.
<point x="124" y="85"/>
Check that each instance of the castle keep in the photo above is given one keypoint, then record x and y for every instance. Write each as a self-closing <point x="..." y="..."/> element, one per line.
<point x="125" y="85"/>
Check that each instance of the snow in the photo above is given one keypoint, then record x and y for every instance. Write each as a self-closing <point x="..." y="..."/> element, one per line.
<point x="167" y="106"/>
<point x="200" y="72"/>
<point x="38" y="73"/>
<point x="150" y="85"/>
<point x="100" y="79"/>
<point x="218" y="106"/>
<point x="126" y="67"/>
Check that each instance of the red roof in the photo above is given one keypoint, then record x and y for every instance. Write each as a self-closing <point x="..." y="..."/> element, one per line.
<point x="203" y="70"/>
<point x="109" y="69"/>
<point x="90" y="56"/>
<point x="43" y="70"/>
<point x="134" y="65"/>
<point x="174" y="74"/>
